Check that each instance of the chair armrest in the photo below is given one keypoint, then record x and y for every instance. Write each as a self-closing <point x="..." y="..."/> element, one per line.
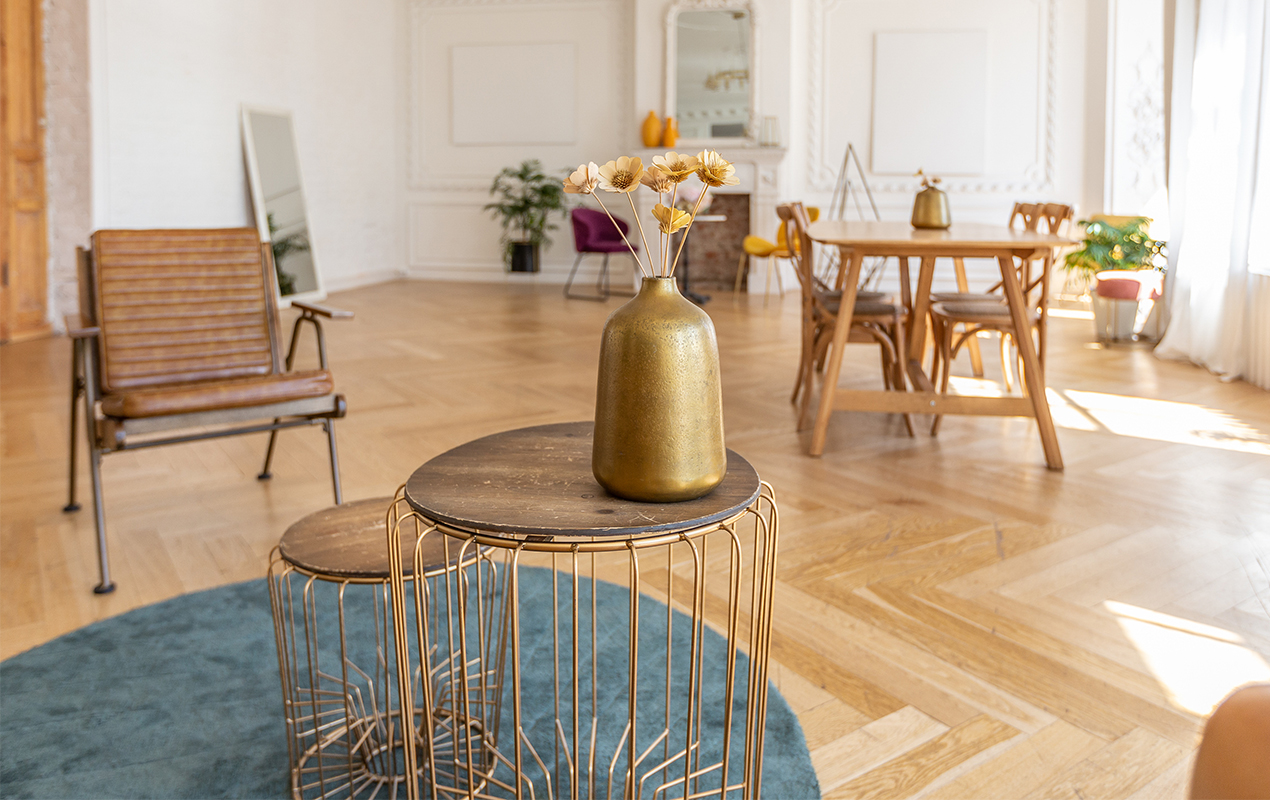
<point x="322" y="311"/>
<point x="78" y="328"/>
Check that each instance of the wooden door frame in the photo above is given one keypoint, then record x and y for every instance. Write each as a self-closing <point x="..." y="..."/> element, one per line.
<point x="23" y="253"/>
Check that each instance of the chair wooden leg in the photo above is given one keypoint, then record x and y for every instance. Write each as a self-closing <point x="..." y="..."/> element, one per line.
<point x="1005" y="364"/>
<point x="265" y="474"/>
<point x="945" y="347"/>
<point x="329" y="425"/>
<point x="972" y="344"/>
<point x="77" y="388"/>
<point x="740" y="273"/>
<point x="767" y="284"/>
<point x="900" y="381"/>
<point x="780" y="282"/>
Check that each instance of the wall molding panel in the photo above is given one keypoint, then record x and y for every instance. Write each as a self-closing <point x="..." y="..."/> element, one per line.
<point x="1017" y="28"/>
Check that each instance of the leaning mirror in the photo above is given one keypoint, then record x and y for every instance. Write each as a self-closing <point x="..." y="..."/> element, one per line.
<point x="710" y="72"/>
<point x="273" y="175"/>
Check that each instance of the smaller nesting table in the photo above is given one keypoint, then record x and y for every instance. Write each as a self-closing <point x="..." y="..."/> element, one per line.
<point x="328" y="589"/>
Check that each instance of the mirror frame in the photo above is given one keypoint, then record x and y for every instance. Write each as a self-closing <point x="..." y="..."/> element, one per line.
<point x="256" y="191"/>
<point x="671" y="38"/>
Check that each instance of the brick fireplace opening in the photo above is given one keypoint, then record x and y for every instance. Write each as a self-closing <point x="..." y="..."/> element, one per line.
<point x="714" y="248"/>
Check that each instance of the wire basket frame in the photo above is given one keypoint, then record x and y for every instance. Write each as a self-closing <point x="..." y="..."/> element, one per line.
<point x="625" y="719"/>
<point x="341" y="695"/>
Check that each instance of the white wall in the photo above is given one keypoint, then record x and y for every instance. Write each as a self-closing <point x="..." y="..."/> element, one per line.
<point x="168" y="79"/>
<point x="449" y="235"/>
<point x="1039" y="96"/>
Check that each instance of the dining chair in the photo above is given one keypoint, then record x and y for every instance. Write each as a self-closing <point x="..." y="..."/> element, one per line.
<point x="1024" y="216"/>
<point x="973" y="313"/>
<point x="875" y="320"/>
<point x="177" y="340"/>
<point x="758" y="247"/>
<point x="594" y="234"/>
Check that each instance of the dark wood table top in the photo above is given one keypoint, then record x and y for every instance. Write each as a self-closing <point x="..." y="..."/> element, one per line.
<point x="536" y="484"/>
<point x="350" y="542"/>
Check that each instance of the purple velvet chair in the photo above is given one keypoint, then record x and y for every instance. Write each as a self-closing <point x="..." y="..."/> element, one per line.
<point x="593" y="232"/>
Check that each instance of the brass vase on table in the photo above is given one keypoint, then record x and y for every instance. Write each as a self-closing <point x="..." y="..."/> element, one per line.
<point x="658" y="407"/>
<point x="930" y="207"/>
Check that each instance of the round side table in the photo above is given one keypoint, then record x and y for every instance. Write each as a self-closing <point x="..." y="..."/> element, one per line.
<point x="609" y="693"/>
<point x="329" y="593"/>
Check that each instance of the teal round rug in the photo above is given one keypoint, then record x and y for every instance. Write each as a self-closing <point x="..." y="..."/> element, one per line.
<point x="181" y="699"/>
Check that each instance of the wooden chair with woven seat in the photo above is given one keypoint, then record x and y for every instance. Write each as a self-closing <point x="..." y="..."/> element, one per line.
<point x="976" y="313"/>
<point x="177" y="340"/>
<point x="875" y="320"/>
<point x="1024" y="216"/>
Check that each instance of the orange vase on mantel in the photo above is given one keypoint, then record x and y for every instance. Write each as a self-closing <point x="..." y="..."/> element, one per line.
<point x="670" y="134"/>
<point x="650" y="131"/>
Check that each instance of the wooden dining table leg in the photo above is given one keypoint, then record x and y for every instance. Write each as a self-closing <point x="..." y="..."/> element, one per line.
<point x="917" y="326"/>
<point x="1033" y="376"/>
<point x="849" y="279"/>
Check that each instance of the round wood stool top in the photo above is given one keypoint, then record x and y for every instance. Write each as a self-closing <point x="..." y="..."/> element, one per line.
<point x="537" y="482"/>
<point x="349" y="542"/>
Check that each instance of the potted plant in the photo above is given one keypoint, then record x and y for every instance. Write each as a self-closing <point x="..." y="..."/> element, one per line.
<point x="1125" y="266"/>
<point x="526" y="199"/>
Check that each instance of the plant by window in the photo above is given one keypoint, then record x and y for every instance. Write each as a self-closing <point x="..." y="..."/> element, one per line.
<point x="526" y="200"/>
<point x="1108" y="246"/>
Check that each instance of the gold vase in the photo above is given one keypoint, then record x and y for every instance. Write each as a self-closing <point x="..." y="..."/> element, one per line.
<point x="930" y="209"/>
<point x="658" y="405"/>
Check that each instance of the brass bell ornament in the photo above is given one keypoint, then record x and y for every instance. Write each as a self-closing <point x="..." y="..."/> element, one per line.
<point x="930" y="207"/>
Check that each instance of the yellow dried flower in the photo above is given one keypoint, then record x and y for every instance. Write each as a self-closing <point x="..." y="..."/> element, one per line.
<point x="583" y="180"/>
<point x="670" y="219"/>
<point x="714" y="170"/>
<point x="622" y="175"/>
<point x="657" y="180"/>
<point x="678" y="167"/>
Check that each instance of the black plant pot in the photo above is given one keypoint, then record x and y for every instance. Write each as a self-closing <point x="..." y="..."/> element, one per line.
<point x="524" y="257"/>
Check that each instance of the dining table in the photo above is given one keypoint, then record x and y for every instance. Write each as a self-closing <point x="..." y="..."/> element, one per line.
<point x="857" y="241"/>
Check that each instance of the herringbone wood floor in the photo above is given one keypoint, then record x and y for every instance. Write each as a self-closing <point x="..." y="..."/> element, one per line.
<point x="953" y="620"/>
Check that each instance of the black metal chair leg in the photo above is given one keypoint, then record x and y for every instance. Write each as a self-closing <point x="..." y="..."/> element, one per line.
<point x="77" y="388"/>
<point x="99" y="513"/>
<point x="569" y="284"/>
<point x="265" y="474"/>
<point x="335" y="461"/>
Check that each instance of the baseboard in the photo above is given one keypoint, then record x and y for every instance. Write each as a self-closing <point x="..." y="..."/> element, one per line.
<point x="362" y="279"/>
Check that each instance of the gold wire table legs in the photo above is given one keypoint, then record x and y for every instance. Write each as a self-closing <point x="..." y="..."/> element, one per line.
<point x="347" y="733"/>
<point x="601" y="691"/>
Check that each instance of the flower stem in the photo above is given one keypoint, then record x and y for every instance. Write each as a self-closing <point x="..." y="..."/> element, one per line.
<point x="638" y="263"/>
<point x="665" y="256"/>
<point x="635" y="214"/>
<point x="684" y="241"/>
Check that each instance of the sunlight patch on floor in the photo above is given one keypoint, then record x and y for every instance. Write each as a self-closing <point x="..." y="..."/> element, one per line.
<point x="1196" y="664"/>
<point x="1161" y="420"/>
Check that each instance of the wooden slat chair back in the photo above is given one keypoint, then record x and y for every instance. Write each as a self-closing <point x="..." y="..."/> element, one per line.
<point x="875" y="319"/>
<point x="178" y="329"/>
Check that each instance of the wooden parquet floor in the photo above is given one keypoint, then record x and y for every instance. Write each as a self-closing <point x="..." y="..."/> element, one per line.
<point x="953" y="620"/>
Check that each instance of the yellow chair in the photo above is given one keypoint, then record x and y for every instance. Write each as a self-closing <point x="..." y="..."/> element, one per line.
<point x="759" y="247"/>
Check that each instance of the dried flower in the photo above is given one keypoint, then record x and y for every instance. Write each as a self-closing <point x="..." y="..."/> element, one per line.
<point x="657" y="180"/>
<point x="677" y="167"/>
<point x="621" y="175"/>
<point x="583" y="180"/>
<point x="714" y="170"/>
<point x="670" y="219"/>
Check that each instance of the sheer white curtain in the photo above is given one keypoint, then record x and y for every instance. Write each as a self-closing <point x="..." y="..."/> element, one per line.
<point x="1219" y="183"/>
